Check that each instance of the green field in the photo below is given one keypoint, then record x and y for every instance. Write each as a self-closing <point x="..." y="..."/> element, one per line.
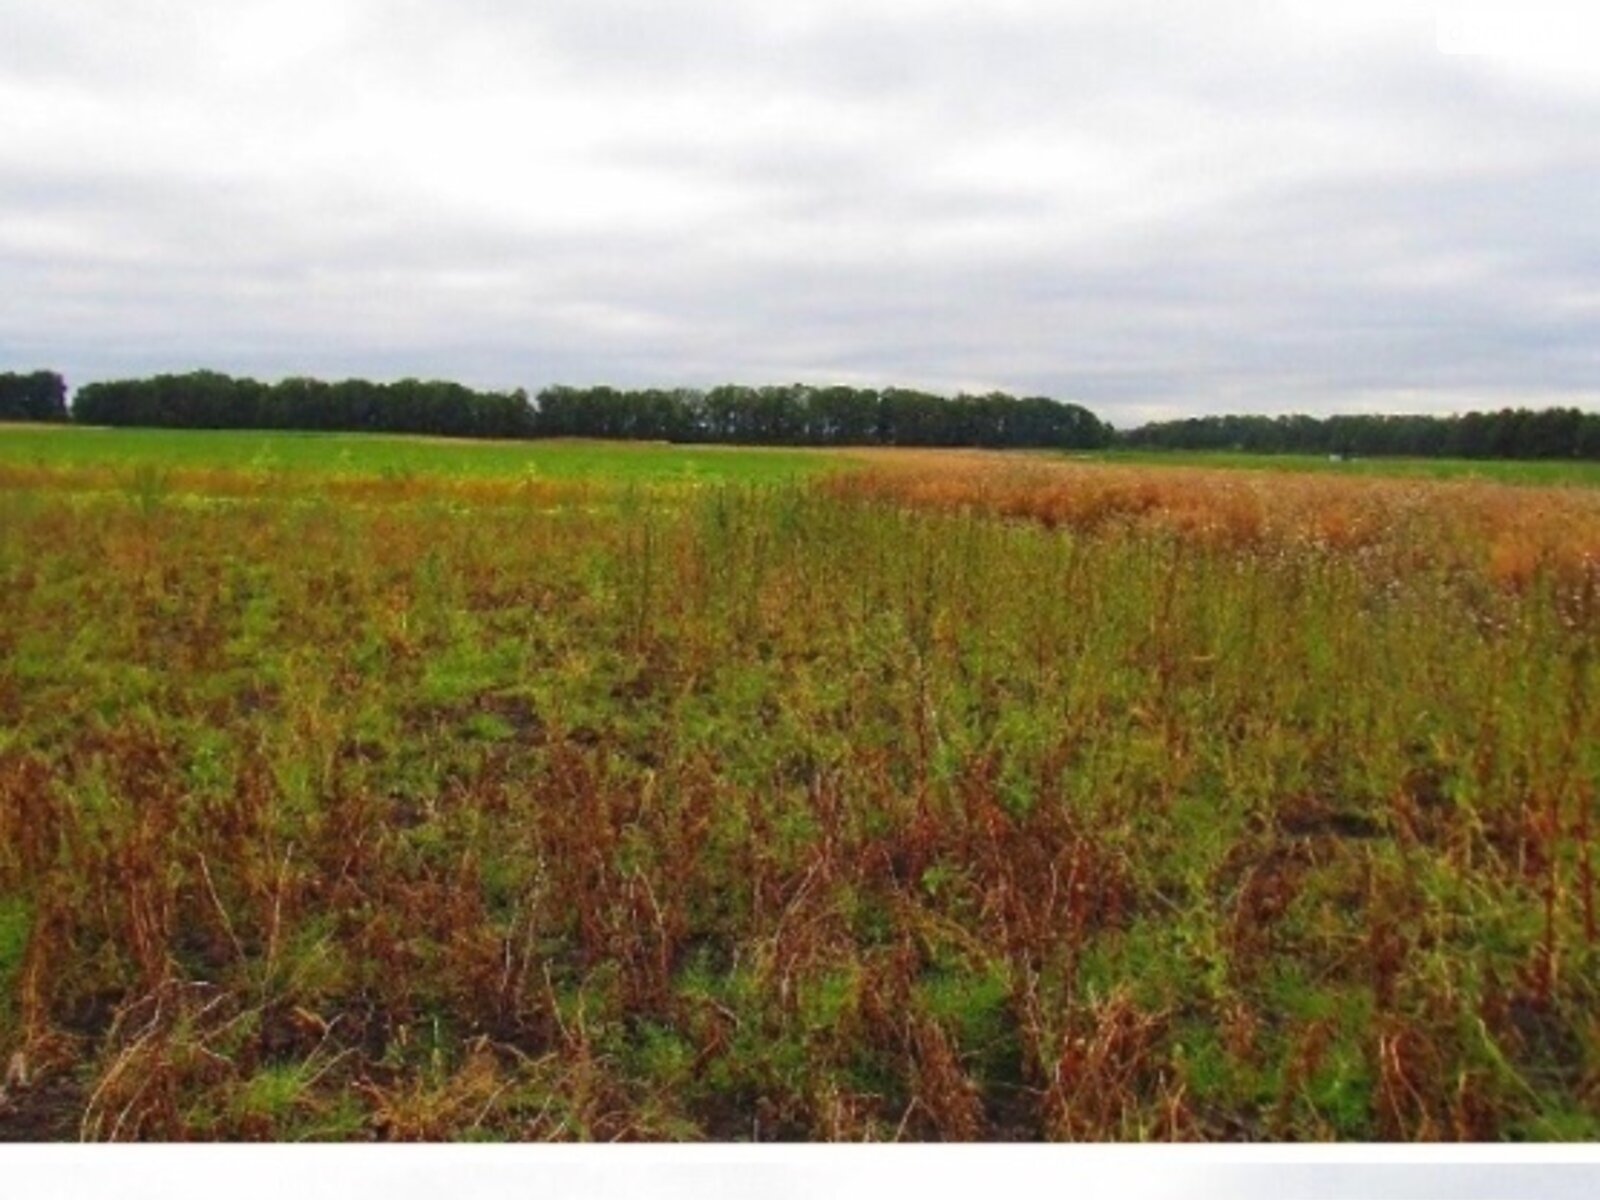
<point x="1547" y="473"/>
<point x="272" y="452"/>
<point x="277" y="451"/>
<point x="950" y="796"/>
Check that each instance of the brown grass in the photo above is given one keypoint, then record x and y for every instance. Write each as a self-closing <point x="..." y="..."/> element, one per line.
<point x="1510" y="532"/>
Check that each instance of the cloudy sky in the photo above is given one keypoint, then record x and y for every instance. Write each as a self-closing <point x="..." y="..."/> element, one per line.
<point x="1153" y="209"/>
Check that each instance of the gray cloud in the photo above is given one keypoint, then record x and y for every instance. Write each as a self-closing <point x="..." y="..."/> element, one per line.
<point x="1147" y="209"/>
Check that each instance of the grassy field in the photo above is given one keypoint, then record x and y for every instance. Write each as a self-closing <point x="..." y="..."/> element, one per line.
<point x="1546" y="473"/>
<point x="278" y="453"/>
<point x="935" y="796"/>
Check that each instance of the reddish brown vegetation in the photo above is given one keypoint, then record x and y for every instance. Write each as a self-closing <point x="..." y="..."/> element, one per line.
<point x="1512" y="533"/>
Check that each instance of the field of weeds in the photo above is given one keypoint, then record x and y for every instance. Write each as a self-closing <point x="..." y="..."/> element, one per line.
<point x="946" y="796"/>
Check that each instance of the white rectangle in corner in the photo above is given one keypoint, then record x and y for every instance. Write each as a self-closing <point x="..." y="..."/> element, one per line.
<point x="1520" y="29"/>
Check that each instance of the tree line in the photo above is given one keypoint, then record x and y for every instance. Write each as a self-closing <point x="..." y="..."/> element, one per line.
<point x="210" y="400"/>
<point x="795" y="414"/>
<point x="1508" y="433"/>
<point x="801" y="415"/>
<point x="784" y="415"/>
<point x="37" y="396"/>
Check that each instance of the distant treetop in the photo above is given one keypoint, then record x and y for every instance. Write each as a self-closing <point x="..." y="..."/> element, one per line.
<point x="1509" y="433"/>
<point x="795" y="414"/>
<point x="38" y="396"/>
<point x="788" y="415"/>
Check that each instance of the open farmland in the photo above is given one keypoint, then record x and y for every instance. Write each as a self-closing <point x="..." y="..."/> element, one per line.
<point x="1550" y="472"/>
<point x="752" y="794"/>
<point x="190" y="460"/>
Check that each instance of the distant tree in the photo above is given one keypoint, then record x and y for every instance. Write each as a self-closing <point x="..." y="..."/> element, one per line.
<point x="788" y="414"/>
<point x="209" y="400"/>
<point x="1509" y="433"/>
<point x="36" y="396"/>
<point x="799" y="414"/>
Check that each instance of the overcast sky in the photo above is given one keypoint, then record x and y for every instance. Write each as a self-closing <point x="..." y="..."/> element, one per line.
<point x="1152" y="209"/>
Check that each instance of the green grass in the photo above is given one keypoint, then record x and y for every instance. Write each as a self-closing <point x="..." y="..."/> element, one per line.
<point x="1543" y="472"/>
<point x="395" y="455"/>
<point x="357" y="454"/>
<point x="15" y="921"/>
